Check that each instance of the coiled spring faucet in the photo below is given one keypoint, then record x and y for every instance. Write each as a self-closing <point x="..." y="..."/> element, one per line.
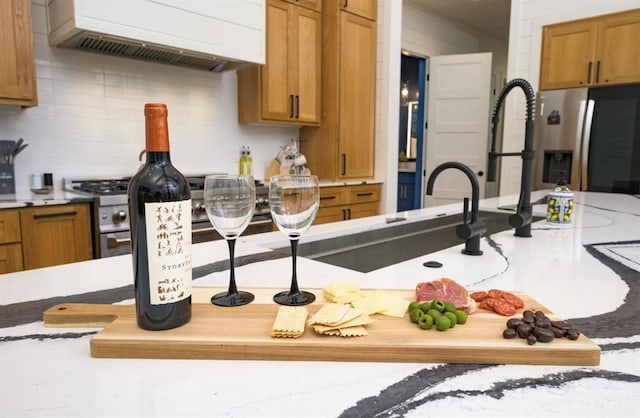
<point x="521" y="220"/>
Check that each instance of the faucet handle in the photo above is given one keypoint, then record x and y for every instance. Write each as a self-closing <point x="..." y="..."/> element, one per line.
<point x="465" y="210"/>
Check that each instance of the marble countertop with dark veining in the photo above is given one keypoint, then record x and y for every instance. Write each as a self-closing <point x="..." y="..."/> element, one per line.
<point x="588" y="273"/>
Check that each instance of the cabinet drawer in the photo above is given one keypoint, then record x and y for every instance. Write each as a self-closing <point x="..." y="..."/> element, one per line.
<point x="363" y="210"/>
<point x="330" y="214"/>
<point x="363" y="194"/>
<point x="10" y="258"/>
<point x="333" y="196"/>
<point x="9" y="226"/>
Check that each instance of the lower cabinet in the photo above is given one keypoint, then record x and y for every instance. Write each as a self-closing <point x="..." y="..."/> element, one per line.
<point x="10" y="238"/>
<point x="406" y="193"/>
<point x="45" y="236"/>
<point x="340" y="203"/>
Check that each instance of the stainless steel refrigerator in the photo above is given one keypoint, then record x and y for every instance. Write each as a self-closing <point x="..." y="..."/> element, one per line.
<point x="589" y="137"/>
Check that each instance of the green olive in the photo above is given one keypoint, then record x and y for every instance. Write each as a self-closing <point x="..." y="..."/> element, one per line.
<point x="452" y="317"/>
<point x="425" y="306"/>
<point x="437" y="305"/>
<point x="425" y="322"/>
<point x="433" y="313"/>
<point x="461" y="317"/>
<point x="449" y="307"/>
<point x="442" y="323"/>
<point x="415" y="315"/>
<point x="412" y="306"/>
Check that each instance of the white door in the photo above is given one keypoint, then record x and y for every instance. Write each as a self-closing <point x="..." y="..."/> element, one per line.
<point x="458" y="119"/>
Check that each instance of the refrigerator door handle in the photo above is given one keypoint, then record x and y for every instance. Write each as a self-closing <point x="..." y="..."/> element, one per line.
<point x="584" y="150"/>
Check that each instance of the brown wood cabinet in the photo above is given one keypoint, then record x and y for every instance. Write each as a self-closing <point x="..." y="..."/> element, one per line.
<point x="10" y="237"/>
<point x="309" y="4"/>
<point x="44" y="236"/>
<point x="341" y="203"/>
<point x="342" y="147"/>
<point x="598" y="51"/>
<point x="17" y="65"/>
<point x="287" y="88"/>
<point x="364" y="8"/>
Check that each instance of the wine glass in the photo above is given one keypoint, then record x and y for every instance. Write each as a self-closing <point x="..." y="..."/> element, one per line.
<point x="230" y="201"/>
<point x="294" y="201"/>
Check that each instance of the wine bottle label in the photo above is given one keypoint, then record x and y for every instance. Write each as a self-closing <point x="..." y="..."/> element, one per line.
<point x="169" y="250"/>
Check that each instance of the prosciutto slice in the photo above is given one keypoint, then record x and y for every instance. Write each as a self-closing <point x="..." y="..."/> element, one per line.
<point x="446" y="290"/>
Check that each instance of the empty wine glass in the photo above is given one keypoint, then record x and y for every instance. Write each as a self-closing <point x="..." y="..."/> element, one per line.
<point x="294" y="201"/>
<point x="230" y="201"/>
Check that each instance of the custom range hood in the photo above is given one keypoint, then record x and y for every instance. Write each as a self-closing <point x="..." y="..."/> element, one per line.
<point x="210" y="35"/>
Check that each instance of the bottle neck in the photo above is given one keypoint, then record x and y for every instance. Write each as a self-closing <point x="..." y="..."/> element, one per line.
<point x="156" y="129"/>
<point x="158" y="156"/>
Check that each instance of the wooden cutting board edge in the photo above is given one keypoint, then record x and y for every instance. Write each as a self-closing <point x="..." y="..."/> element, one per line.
<point x="358" y="349"/>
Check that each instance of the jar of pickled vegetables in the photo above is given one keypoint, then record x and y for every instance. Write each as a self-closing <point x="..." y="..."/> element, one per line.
<point x="560" y="205"/>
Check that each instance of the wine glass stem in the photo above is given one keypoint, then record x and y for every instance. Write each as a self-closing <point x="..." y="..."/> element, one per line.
<point x="294" y="277"/>
<point x="233" y="290"/>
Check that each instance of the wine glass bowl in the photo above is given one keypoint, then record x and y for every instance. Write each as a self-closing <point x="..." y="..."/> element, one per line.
<point x="294" y="202"/>
<point x="230" y="201"/>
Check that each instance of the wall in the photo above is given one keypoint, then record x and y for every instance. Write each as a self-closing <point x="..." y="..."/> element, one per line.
<point x="90" y="121"/>
<point x="525" y="39"/>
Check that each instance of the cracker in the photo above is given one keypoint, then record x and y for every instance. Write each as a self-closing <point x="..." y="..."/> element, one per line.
<point x="333" y="314"/>
<point x="357" y="331"/>
<point x="289" y="322"/>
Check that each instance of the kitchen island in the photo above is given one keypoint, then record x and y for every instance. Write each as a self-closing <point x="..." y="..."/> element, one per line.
<point x="588" y="273"/>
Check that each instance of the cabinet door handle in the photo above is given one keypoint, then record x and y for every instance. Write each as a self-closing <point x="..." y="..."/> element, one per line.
<point x="345" y="4"/>
<point x="362" y="194"/>
<point x="344" y="214"/>
<point x="297" y="107"/>
<point x="344" y="164"/>
<point x="598" y="71"/>
<point x="349" y="213"/>
<point x="54" y="215"/>
<point x="327" y="197"/>
<point x="290" y="106"/>
<point x="589" y="72"/>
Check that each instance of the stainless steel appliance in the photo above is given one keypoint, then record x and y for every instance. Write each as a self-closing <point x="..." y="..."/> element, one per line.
<point x="110" y="213"/>
<point x="590" y="137"/>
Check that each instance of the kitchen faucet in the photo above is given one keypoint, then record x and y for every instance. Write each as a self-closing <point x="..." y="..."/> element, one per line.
<point x="468" y="231"/>
<point x="521" y="220"/>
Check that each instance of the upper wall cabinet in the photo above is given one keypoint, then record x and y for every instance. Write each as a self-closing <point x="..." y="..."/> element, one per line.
<point x="364" y="8"/>
<point x="287" y="88"/>
<point x="17" y="65"/>
<point x="599" y="51"/>
<point x="342" y="147"/>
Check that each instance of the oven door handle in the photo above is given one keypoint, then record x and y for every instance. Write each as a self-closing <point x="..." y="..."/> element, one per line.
<point x="265" y="222"/>
<point x="114" y="242"/>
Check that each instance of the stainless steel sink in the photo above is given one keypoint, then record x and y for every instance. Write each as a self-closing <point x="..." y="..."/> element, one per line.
<point x="371" y="250"/>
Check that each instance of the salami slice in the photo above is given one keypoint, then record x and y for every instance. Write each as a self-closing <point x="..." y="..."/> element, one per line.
<point x="479" y="296"/>
<point x="513" y="299"/>
<point x="504" y="308"/>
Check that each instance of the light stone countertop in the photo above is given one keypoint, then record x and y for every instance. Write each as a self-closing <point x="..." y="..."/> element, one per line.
<point x="588" y="273"/>
<point x="29" y="198"/>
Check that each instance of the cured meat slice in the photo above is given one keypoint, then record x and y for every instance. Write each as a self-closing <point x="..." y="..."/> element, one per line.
<point x="446" y="290"/>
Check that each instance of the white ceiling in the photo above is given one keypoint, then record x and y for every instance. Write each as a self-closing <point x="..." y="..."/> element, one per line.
<point x="485" y="16"/>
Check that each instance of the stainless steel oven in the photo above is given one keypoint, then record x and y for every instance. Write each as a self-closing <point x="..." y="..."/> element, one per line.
<point x="110" y="218"/>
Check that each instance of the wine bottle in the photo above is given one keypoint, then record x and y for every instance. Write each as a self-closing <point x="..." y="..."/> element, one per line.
<point x="160" y="223"/>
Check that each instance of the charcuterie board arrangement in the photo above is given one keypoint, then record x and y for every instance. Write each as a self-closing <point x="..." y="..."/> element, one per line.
<point x="247" y="332"/>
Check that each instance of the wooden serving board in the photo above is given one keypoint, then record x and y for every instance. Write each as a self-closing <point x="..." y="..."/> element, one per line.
<point x="244" y="333"/>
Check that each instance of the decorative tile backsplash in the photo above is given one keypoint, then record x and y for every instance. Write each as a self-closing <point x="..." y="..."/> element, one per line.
<point x="89" y="121"/>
